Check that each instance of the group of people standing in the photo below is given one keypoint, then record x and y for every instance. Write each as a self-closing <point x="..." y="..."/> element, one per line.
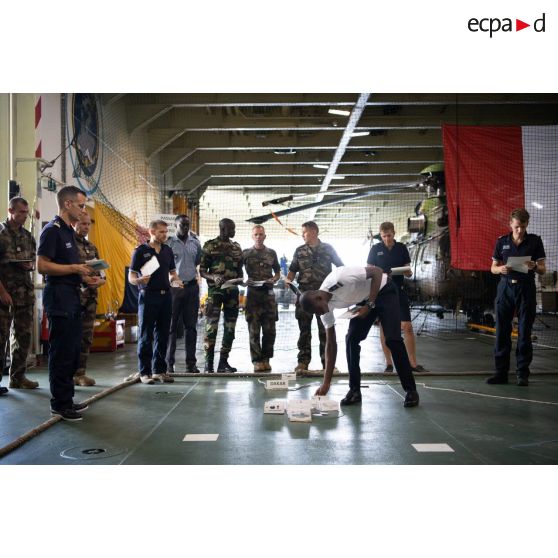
<point x="169" y="295"/>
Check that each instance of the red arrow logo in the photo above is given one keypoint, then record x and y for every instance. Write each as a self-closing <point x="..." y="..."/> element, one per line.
<point x="519" y="25"/>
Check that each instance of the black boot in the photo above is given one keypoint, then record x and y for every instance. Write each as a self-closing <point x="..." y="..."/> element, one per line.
<point x="224" y="366"/>
<point x="208" y="368"/>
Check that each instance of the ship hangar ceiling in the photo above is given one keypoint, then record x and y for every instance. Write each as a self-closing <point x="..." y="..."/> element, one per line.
<point x="311" y="146"/>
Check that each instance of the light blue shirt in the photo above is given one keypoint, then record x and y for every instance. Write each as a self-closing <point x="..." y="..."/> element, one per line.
<point x="187" y="255"/>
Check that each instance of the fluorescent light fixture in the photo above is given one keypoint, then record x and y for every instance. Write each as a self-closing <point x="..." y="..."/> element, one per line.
<point x="321" y="166"/>
<point x="537" y="205"/>
<point x="284" y="151"/>
<point x="356" y="134"/>
<point x="337" y="177"/>
<point x="340" y="112"/>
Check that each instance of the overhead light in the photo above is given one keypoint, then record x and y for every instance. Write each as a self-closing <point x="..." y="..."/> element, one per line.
<point x="537" y="205"/>
<point x="355" y="134"/>
<point x="338" y="177"/>
<point x="321" y="166"/>
<point x="285" y="151"/>
<point x="340" y="112"/>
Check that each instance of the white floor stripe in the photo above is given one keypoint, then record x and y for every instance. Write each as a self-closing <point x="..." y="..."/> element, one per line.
<point x="432" y="448"/>
<point x="200" y="438"/>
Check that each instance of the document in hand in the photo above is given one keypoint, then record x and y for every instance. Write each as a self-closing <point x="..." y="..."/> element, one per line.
<point x="400" y="270"/>
<point x="150" y="266"/>
<point x="350" y="313"/>
<point x="97" y="265"/>
<point x="232" y="283"/>
<point x="519" y="263"/>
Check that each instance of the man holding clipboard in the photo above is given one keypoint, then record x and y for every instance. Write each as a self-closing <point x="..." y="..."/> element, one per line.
<point x="152" y="265"/>
<point x="517" y="257"/>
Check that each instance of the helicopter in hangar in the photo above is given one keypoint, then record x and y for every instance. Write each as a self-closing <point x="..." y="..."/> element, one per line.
<point x="435" y="285"/>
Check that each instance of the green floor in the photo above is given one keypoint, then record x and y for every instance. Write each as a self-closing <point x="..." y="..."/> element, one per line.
<point x="142" y="424"/>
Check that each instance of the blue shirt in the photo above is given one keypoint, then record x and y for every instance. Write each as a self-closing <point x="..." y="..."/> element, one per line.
<point x="187" y="255"/>
<point x="532" y="245"/>
<point x="160" y="278"/>
<point x="58" y="244"/>
<point x="381" y="256"/>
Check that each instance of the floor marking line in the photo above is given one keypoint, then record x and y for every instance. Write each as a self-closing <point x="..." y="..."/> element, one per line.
<point x="458" y="442"/>
<point x="144" y="439"/>
<point x="488" y="395"/>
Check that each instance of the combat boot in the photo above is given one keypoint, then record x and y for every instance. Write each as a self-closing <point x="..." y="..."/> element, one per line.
<point x="224" y="366"/>
<point x="301" y="367"/>
<point x="267" y="365"/>
<point x="260" y="367"/>
<point x="83" y="380"/>
<point x="208" y="368"/>
<point x="23" y="383"/>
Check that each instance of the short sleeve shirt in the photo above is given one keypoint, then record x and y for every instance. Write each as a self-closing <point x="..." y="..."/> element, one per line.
<point x="313" y="264"/>
<point x="187" y="255"/>
<point x="381" y="256"/>
<point x="347" y="285"/>
<point x="160" y="277"/>
<point x="532" y="245"/>
<point x="58" y="244"/>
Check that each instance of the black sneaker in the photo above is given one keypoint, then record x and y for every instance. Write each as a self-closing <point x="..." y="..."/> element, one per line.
<point x="411" y="399"/>
<point x="388" y="369"/>
<point x="497" y="379"/>
<point x="418" y="369"/>
<point x="67" y="414"/>
<point x="80" y="407"/>
<point x="522" y="381"/>
<point x="192" y="369"/>
<point x="353" y="396"/>
<point x="3" y="390"/>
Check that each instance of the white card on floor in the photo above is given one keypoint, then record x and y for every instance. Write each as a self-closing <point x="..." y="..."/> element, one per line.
<point x="432" y="447"/>
<point x="200" y="438"/>
<point x="299" y="405"/>
<point x="275" y="407"/>
<point x="289" y="376"/>
<point x="276" y="384"/>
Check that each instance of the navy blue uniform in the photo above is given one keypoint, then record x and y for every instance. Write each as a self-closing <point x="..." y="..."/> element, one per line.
<point x="61" y="302"/>
<point x="154" y="309"/>
<point x="516" y="294"/>
<point x="381" y="256"/>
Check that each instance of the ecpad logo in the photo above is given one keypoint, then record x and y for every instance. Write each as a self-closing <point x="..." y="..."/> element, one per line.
<point x="493" y="25"/>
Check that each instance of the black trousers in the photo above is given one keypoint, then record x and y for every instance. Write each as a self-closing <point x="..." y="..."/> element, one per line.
<point x="387" y="310"/>
<point x="521" y="298"/>
<point x="185" y="308"/>
<point x="63" y="307"/>
<point x="154" y="318"/>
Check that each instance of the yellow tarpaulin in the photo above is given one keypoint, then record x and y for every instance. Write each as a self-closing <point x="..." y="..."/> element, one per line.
<point x="116" y="250"/>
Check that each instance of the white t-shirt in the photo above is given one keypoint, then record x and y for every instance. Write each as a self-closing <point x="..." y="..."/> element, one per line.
<point x="348" y="285"/>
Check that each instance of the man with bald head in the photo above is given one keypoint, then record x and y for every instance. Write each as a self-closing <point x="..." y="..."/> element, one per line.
<point x="375" y="296"/>
<point x="221" y="260"/>
<point x="88" y="295"/>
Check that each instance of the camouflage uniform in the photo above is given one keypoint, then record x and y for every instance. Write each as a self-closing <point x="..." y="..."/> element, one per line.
<point x="312" y="266"/>
<point x="16" y="245"/>
<point x="222" y="258"/>
<point x="88" y="298"/>
<point x="261" y="308"/>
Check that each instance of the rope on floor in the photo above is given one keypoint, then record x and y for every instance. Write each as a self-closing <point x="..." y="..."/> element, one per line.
<point x="18" y="442"/>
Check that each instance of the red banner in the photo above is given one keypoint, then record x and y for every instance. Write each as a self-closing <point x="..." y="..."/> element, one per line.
<point x="484" y="183"/>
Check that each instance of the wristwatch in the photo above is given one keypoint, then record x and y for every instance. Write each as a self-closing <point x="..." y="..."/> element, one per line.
<point x="371" y="305"/>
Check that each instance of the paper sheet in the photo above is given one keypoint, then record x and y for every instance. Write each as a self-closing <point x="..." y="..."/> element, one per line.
<point x="519" y="263"/>
<point x="400" y="270"/>
<point x="349" y="314"/>
<point x="150" y="267"/>
<point x="232" y="283"/>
